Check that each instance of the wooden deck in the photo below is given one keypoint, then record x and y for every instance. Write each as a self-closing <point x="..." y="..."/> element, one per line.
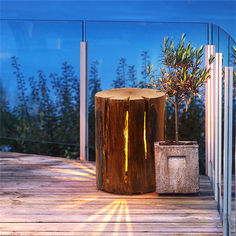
<point x="41" y="195"/>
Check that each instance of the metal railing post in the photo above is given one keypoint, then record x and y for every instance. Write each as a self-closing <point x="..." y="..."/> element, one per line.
<point x="228" y="106"/>
<point x="84" y="154"/>
<point x="219" y="131"/>
<point x="212" y="115"/>
<point x="209" y="113"/>
<point x="216" y="127"/>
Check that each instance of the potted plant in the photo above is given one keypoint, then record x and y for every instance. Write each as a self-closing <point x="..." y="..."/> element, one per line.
<point x="177" y="168"/>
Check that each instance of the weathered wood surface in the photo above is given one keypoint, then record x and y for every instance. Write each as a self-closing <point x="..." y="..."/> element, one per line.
<point x="42" y="195"/>
<point x="128" y="122"/>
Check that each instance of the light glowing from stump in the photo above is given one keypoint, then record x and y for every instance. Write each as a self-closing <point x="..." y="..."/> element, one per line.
<point x="126" y="136"/>
<point x="128" y="122"/>
<point x="126" y="132"/>
<point x="144" y="135"/>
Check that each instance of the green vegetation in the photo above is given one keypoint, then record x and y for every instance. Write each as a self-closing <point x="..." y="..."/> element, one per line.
<point x="46" y="118"/>
<point x="182" y="75"/>
<point x="44" y="121"/>
<point x="94" y="87"/>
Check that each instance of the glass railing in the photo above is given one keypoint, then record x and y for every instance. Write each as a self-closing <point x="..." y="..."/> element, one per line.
<point x="225" y="45"/>
<point x="118" y="55"/>
<point x="40" y="87"/>
<point x="232" y="63"/>
<point x="40" y="84"/>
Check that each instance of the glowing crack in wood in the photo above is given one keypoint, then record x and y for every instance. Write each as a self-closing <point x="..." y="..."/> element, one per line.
<point x="126" y="132"/>
<point x="145" y="135"/>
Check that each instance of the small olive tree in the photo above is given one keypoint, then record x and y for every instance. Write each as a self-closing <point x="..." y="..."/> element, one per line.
<point x="182" y="75"/>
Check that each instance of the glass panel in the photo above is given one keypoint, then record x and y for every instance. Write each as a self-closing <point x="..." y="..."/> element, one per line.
<point x="118" y="56"/>
<point x="223" y="48"/>
<point x="39" y="84"/>
<point x="220" y="42"/>
<point x="215" y="36"/>
<point x="226" y="47"/>
<point x="233" y="64"/>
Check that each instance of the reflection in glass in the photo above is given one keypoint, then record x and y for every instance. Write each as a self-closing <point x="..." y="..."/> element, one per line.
<point x="39" y="86"/>
<point x="233" y="64"/>
<point x="121" y="52"/>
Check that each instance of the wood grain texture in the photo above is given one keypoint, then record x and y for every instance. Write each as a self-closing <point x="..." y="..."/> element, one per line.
<point x="143" y="110"/>
<point x="41" y="195"/>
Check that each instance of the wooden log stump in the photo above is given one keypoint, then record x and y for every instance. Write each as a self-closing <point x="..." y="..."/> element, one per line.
<point x="128" y="122"/>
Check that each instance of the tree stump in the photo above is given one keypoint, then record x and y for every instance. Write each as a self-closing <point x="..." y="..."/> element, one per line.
<point x="127" y="123"/>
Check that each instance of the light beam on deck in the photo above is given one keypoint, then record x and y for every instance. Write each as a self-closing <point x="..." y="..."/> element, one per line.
<point x="128" y="220"/>
<point x="109" y="210"/>
<point x="70" y="172"/>
<point x="118" y="219"/>
<point x="71" y="178"/>
<point x="82" y="165"/>
<point x="75" y="202"/>
<point x="108" y="216"/>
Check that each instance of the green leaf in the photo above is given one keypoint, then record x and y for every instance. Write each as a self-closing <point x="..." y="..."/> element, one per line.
<point x="211" y="59"/>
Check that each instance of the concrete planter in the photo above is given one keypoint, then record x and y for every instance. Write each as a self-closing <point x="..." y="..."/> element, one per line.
<point x="177" y="168"/>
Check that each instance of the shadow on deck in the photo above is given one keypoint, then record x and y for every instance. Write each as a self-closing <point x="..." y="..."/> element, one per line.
<point x="41" y="195"/>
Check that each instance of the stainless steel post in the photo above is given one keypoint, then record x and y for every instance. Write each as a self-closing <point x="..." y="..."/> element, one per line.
<point x="84" y="154"/>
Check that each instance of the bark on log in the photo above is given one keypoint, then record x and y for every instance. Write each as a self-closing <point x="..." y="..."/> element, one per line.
<point x="125" y="163"/>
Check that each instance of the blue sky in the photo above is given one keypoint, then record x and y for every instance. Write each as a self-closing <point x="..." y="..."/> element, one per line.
<point x="222" y="13"/>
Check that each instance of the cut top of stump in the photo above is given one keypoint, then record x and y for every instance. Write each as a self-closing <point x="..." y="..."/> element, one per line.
<point x="129" y="94"/>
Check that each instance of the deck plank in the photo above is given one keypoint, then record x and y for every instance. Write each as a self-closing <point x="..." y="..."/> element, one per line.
<point x="41" y="195"/>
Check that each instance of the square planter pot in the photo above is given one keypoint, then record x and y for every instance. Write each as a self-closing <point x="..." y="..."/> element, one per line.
<point x="176" y="167"/>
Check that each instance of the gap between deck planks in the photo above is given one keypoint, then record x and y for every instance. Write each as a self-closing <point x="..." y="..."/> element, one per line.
<point x="41" y="195"/>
